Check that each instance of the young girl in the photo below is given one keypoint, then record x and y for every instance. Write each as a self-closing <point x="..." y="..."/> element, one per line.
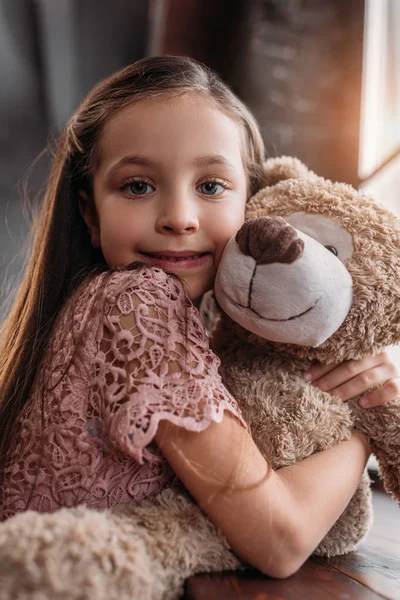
<point x="108" y="387"/>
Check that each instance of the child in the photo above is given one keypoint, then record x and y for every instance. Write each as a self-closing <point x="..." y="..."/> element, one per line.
<point x="108" y="387"/>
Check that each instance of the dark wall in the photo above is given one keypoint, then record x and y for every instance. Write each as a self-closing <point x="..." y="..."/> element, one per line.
<point x="304" y="82"/>
<point x="22" y="121"/>
<point x="297" y="64"/>
<point x="51" y="53"/>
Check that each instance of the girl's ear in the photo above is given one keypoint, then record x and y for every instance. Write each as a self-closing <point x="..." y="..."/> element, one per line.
<point x="88" y="212"/>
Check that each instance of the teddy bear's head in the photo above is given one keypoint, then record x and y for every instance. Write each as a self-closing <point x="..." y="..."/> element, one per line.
<point x="315" y="268"/>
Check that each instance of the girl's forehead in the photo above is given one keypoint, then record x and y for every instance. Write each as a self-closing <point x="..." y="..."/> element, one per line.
<point x="187" y="126"/>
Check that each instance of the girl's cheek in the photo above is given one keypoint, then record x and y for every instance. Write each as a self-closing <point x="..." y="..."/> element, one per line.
<point x="230" y="226"/>
<point x="221" y="244"/>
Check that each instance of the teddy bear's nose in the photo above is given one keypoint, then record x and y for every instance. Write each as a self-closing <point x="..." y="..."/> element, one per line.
<point x="269" y="240"/>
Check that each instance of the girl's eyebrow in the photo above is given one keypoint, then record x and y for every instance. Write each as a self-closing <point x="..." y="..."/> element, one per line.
<point x="213" y="159"/>
<point x="137" y="159"/>
<point x="134" y="159"/>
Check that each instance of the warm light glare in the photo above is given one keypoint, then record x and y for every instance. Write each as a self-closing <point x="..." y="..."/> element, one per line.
<point x="380" y="103"/>
<point x="373" y="83"/>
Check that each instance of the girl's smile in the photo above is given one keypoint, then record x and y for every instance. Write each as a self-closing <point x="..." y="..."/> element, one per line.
<point x="176" y="261"/>
<point x="169" y="188"/>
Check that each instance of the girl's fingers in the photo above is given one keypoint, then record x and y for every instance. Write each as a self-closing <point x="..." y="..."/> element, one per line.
<point x="318" y="370"/>
<point x="356" y="377"/>
<point x="330" y="379"/>
<point x="386" y="393"/>
<point x="362" y="383"/>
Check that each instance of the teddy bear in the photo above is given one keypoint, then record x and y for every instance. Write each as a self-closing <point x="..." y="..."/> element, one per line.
<point x="313" y="274"/>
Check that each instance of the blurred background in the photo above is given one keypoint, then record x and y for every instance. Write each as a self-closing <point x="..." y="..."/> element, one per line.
<point x="321" y="76"/>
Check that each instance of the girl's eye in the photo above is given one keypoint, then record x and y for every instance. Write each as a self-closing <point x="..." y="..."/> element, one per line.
<point x="139" y="187"/>
<point x="211" y="188"/>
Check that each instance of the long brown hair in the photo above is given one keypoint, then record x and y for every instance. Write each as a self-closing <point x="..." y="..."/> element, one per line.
<point x="62" y="253"/>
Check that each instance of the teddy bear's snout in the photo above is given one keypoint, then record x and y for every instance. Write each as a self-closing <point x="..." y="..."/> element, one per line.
<point x="269" y="240"/>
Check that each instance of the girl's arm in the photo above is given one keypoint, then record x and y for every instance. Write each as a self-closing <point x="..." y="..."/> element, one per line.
<point x="153" y="335"/>
<point x="273" y="522"/>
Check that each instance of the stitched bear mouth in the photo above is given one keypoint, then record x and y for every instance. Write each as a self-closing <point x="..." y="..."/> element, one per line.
<point x="276" y="320"/>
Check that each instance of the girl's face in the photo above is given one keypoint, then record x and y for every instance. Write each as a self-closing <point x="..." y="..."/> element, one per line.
<point x="169" y="188"/>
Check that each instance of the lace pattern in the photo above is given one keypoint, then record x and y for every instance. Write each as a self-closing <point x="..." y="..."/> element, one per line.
<point x="128" y="351"/>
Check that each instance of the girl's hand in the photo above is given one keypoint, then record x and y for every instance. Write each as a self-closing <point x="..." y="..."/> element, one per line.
<point x="356" y="377"/>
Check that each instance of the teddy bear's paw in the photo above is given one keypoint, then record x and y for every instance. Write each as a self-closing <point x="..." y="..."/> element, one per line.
<point x="76" y="554"/>
<point x="179" y="537"/>
<point x="352" y="526"/>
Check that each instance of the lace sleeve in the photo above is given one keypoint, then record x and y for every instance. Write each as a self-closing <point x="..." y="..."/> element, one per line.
<point x="154" y="362"/>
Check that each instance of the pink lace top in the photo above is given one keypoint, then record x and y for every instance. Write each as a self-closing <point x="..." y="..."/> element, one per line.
<point x="127" y="350"/>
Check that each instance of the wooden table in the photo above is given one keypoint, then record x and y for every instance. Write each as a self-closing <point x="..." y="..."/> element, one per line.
<point x="370" y="573"/>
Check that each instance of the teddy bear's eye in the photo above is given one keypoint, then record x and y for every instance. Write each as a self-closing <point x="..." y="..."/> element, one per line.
<point x="324" y="231"/>
<point x="332" y="249"/>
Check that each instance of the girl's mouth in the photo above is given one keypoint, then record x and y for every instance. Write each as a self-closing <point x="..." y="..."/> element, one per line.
<point x="174" y="261"/>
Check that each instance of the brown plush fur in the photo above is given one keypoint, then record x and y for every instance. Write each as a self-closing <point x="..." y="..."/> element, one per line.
<point x="374" y="266"/>
<point x="291" y="419"/>
<point x="142" y="552"/>
<point x="146" y="551"/>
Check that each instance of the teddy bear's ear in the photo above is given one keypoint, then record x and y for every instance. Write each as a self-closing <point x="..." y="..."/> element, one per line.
<point x="284" y="167"/>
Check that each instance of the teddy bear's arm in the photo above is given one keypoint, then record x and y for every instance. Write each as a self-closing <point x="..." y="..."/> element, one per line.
<point x="288" y="418"/>
<point x="382" y="427"/>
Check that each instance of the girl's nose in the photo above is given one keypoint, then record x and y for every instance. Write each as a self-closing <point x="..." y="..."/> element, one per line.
<point x="177" y="219"/>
